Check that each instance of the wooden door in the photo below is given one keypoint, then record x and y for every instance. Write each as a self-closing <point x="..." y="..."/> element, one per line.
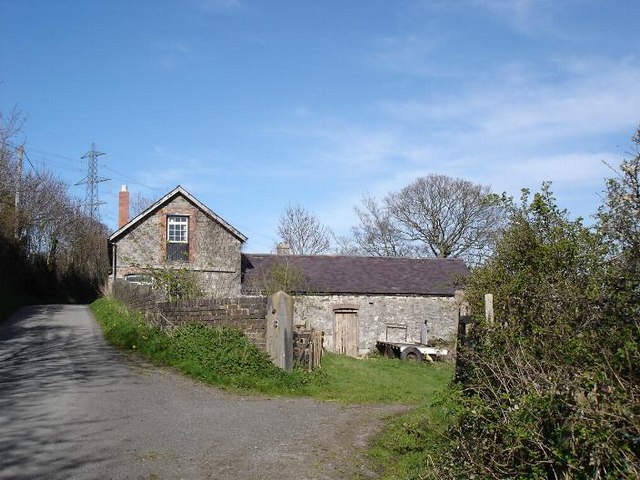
<point x="346" y="333"/>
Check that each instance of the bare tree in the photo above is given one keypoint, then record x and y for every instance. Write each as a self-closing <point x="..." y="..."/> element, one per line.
<point x="445" y="216"/>
<point x="10" y="126"/>
<point x="377" y="234"/>
<point x="346" y="245"/>
<point x="139" y="203"/>
<point x="436" y="215"/>
<point x="303" y="232"/>
<point x="48" y="247"/>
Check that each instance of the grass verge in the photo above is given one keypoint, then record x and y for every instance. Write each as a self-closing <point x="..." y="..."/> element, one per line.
<point x="413" y="445"/>
<point x="223" y="356"/>
<point x="219" y="356"/>
<point x="380" y="380"/>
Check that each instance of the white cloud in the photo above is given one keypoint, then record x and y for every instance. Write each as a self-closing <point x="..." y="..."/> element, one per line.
<point x="508" y="131"/>
<point x="601" y="98"/>
<point x="333" y="141"/>
<point x="570" y="169"/>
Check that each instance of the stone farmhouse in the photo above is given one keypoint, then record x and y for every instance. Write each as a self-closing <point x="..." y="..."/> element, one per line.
<point x="355" y="301"/>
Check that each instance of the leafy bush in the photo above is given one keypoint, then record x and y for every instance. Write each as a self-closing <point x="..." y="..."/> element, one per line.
<point x="177" y="283"/>
<point x="552" y="388"/>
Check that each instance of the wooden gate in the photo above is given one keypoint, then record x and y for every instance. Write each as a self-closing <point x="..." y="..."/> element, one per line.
<point x="346" y="332"/>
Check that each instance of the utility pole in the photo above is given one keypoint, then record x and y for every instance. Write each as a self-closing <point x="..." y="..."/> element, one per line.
<point x="16" y="209"/>
<point x="92" y="200"/>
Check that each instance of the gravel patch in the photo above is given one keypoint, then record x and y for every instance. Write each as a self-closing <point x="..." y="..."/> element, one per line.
<point x="71" y="406"/>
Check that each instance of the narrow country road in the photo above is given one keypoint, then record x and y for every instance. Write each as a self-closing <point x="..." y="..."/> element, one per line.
<point x="71" y="406"/>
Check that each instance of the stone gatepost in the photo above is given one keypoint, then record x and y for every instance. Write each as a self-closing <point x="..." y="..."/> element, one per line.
<point x="280" y="330"/>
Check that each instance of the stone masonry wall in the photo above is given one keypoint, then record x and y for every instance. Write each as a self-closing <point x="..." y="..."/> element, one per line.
<point x="380" y="317"/>
<point x="214" y="253"/>
<point x="245" y="313"/>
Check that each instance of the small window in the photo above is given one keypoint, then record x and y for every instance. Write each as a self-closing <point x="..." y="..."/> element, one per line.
<point x="177" y="238"/>
<point x="177" y="229"/>
<point x="138" y="279"/>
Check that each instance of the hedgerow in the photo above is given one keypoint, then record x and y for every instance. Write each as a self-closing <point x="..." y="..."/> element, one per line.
<point x="551" y="388"/>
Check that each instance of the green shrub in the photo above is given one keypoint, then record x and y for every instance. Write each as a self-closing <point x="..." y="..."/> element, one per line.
<point x="221" y="356"/>
<point x="551" y="389"/>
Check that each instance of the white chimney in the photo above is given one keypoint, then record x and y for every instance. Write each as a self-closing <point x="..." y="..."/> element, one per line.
<point x="283" y="249"/>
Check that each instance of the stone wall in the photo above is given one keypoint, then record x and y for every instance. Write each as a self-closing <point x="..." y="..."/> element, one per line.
<point x="245" y="313"/>
<point x="380" y="317"/>
<point x="214" y="252"/>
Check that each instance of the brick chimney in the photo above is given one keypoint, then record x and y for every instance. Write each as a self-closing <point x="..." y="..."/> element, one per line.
<point x="123" y="206"/>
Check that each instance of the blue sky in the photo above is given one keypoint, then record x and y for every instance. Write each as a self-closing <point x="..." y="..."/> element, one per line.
<point x="252" y="105"/>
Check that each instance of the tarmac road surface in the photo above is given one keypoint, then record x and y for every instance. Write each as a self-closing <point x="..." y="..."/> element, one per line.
<point x="71" y="406"/>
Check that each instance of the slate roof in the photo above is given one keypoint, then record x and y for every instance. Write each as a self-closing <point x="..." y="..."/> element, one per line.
<point x="178" y="191"/>
<point x="361" y="275"/>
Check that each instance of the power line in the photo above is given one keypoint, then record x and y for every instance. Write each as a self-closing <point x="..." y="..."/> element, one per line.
<point x="137" y="182"/>
<point x="71" y="160"/>
<point x="29" y="160"/>
<point x="73" y="166"/>
<point x="62" y="165"/>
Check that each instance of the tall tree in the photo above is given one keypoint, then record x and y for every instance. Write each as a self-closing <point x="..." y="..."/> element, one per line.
<point x="303" y="232"/>
<point x="10" y="126"/>
<point x="445" y="216"/>
<point x="436" y="215"/>
<point x="48" y="247"/>
<point x="619" y="215"/>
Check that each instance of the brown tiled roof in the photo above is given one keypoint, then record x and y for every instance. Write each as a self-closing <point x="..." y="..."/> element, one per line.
<point x="360" y="275"/>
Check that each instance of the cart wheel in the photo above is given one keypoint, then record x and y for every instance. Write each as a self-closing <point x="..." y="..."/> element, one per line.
<point x="388" y="352"/>
<point x="411" y="354"/>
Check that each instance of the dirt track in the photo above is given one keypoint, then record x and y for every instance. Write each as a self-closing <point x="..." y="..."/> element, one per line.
<point x="73" y="407"/>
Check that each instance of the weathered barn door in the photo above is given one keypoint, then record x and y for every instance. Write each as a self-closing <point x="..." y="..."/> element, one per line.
<point x="346" y="332"/>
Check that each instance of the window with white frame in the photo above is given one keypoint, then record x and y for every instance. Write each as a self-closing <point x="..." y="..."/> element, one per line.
<point x="177" y="238"/>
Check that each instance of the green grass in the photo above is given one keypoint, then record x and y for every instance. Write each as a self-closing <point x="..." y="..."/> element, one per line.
<point x="380" y="380"/>
<point x="414" y="444"/>
<point x="223" y="357"/>
<point x="220" y="356"/>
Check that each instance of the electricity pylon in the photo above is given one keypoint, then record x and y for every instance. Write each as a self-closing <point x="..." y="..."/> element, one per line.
<point x="91" y="199"/>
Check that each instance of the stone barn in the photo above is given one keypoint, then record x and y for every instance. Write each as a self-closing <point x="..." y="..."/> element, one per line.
<point x="357" y="301"/>
<point x="354" y="300"/>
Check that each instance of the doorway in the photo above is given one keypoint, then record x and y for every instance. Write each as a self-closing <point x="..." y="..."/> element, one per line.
<point x="346" y="332"/>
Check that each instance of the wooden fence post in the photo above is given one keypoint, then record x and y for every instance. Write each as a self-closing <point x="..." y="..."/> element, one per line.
<point x="488" y="308"/>
<point x="465" y="322"/>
